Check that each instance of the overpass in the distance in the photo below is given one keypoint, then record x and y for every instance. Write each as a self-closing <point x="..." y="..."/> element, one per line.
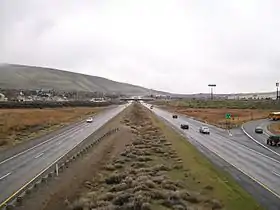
<point x="137" y="98"/>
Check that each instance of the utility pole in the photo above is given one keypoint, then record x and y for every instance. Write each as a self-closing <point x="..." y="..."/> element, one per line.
<point x="211" y="93"/>
<point x="277" y="91"/>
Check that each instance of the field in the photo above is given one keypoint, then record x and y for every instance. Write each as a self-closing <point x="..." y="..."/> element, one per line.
<point x="214" y="112"/>
<point x="275" y="128"/>
<point x="144" y="166"/>
<point x="229" y="104"/>
<point x="18" y="125"/>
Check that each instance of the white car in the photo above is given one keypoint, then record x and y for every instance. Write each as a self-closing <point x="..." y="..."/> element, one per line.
<point x="204" y="129"/>
<point x="89" y="120"/>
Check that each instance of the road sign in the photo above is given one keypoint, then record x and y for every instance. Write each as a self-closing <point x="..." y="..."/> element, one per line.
<point x="228" y="116"/>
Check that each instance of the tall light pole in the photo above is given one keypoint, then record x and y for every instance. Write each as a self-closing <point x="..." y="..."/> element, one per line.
<point x="212" y="86"/>
<point x="277" y="92"/>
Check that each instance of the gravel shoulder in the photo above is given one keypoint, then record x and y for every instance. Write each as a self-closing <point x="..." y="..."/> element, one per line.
<point x="146" y="165"/>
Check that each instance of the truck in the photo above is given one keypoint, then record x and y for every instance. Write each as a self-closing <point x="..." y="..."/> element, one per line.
<point x="273" y="140"/>
<point x="274" y="116"/>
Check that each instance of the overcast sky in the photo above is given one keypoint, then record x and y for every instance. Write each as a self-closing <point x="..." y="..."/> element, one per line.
<point x="172" y="45"/>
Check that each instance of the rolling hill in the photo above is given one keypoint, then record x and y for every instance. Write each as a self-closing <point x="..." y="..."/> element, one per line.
<point x="30" y="77"/>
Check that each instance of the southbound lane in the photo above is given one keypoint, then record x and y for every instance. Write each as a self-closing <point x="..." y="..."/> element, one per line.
<point x="260" y="167"/>
<point x="17" y="170"/>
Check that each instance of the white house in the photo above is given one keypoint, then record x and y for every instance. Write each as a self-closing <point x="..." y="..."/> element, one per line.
<point x="271" y="95"/>
<point x="2" y="97"/>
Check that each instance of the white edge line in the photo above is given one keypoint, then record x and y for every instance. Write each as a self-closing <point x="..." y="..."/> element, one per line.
<point x="277" y="174"/>
<point x="37" y="145"/>
<point x="79" y="123"/>
<point x="37" y="156"/>
<point x="254" y="179"/>
<point x="40" y="173"/>
<point x="246" y="174"/>
<point x="241" y="145"/>
<point x="5" y="175"/>
<point x="242" y="127"/>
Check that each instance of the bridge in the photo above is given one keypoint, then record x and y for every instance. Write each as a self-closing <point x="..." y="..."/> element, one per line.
<point x="137" y="99"/>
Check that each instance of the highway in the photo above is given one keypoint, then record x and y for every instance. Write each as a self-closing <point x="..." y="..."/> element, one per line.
<point x="249" y="128"/>
<point x="254" y="161"/>
<point x="20" y="168"/>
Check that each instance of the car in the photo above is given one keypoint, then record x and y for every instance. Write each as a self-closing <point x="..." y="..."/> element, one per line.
<point x="175" y="116"/>
<point x="258" y="130"/>
<point x="89" y="120"/>
<point x="184" y="126"/>
<point x="204" y="129"/>
<point x="273" y="140"/>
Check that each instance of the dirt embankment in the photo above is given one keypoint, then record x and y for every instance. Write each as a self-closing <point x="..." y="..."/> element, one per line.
<point x="274" y="128"/>
<point x="18" y="125"/>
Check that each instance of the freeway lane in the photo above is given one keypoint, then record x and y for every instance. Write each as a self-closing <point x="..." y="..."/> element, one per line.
<point x="249" y="128"/>
<point x="19" y="169"/>
<point x="261" y="168"/>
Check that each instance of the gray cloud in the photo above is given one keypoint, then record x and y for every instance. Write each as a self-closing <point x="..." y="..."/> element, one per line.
<point x="178" y="46"/>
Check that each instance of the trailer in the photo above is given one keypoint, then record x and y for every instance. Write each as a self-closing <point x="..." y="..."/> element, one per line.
<point x="273" y="141"/>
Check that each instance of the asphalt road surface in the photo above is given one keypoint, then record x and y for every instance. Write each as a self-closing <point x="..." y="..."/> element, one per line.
<point x="249" y="128"/>
<point x="255" y="162"/>
<point x="20" y="168"/>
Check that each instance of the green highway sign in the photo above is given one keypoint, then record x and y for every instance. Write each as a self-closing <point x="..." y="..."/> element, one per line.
<point x="228" y="116"/>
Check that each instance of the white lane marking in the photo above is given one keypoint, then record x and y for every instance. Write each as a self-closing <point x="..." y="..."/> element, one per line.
<point x="37" y="156"/>
<point x="44" y="142"/>
<point x="233" y="142"/>
<point x="277" y="174"/>
<point x="3" y="177"/>
<point x="229" y="133"/>
<point x="245" y="173"/>
<point x="265" y="133"/>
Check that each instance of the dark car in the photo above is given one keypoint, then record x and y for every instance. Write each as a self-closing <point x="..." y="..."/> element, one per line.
<point x="175" y="116"/>
<point x="273" y="140"/>
<point x="184" y="126"/>
<point x="258" y="130"/>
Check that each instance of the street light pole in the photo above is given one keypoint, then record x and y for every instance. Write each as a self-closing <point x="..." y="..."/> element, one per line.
<point x="211" y="93"/>
<point x="277" y="92"/>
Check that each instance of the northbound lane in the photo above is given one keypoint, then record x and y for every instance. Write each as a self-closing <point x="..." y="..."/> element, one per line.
<point x="17" y="170"/>
<point x="261" y="168"/>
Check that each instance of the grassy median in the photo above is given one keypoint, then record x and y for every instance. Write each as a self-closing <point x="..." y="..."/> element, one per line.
<point x="159" y="170"/>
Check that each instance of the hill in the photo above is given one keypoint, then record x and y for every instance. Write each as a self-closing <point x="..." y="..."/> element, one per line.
<point x="30" y="77"/>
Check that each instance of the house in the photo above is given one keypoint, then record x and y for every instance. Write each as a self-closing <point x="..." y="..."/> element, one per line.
<point x="254" y="96"/>
<point x="3" y="97"/>
<point x="98" y="100"/>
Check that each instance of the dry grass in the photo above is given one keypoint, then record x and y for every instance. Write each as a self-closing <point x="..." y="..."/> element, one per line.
<point x="274" y="128"/>
<point x="17" y="125"/>
<point x="217" y="116"/>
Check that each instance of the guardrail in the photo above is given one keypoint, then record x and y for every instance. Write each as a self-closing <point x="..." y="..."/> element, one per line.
<point x="52" y="170"/>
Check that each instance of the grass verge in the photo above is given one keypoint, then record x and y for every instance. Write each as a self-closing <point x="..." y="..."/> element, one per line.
<point x="204" y="176"/>
<point x="274" y="128"/>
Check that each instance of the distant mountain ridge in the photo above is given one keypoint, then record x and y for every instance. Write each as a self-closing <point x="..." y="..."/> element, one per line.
<point x="14" y="76"/>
